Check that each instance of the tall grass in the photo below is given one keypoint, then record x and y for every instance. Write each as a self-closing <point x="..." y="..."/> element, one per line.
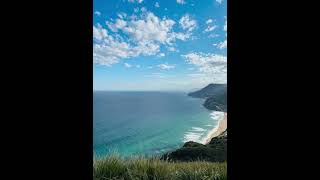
<point x="115" y="168"/>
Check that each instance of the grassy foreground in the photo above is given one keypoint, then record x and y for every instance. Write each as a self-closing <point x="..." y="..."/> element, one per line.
<point x="114" y="167"/>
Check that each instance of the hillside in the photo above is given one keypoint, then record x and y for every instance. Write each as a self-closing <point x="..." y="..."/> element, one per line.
<point x="216" y="96"/>
<point x="217" y="102"/>
<point x="114" y="167"/>
<point x="215" y="151"/>
<point x="209" y="90"/>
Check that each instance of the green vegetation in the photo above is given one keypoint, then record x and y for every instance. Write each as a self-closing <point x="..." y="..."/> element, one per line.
<point x="215" y="95"/>
<point x="214" y="151"/>
<point x="116" y="168"/>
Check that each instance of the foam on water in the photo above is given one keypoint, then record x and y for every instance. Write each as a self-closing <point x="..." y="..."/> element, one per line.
<point x="201" y="134"/>
<point x="198" y="129"/>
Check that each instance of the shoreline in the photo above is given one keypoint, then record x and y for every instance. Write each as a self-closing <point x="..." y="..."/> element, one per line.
<point x="216" y="131"/>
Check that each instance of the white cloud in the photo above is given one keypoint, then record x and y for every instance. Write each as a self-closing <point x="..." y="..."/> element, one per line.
<point x="166" y="66"/>
<point x="156" y="75"/>
<point x="99" y="33"/>
<point x="108" y="49"/>
<point x="98" y="13"/>
<point x="213" y="66"/>
<point x="219" y="1"/>
<point x="172" y="49"/>
<point x="213" y="35"/>
<point x="122" y="15"/>
<point x="117" y="25"/>
<point x="162" y="55"/>
<point x="181" y="2"/>
<point x="209" y="21"/>
<point x="187" y="23"/>
<point x="151" y="28"/>
<point x="135" y="36"/>
<point x="222" y="45"/>
<point x="210" y="28"/>
<point x="157" y="4"/>
<point x="150" y="67"/>
<point x="143" y="9"/>
<point x="127" y="65"/>
<point x="138" y="66"/>
<point x="133" y="1"/>
<point x="111" y="26"/>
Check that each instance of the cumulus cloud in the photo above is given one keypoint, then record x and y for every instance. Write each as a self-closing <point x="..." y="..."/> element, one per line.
<point x="210" y="26"/>
<point x="99" y="33"/>
<point x="108" y="49"/>
<point x="122" y="15"/>
<point x="172" y="49"/>
<point x="213" y="66"/>
<point x="219" y="1"/>
<point x="157" y="4"/>
<point x="187" y="23"/>
<point x="127" y="65"/>
<point x="156" y="75"/>
<point x="120" y="23"/>
<point x="213" y="35"/>
<point x="151" y="28"/>
<point x="181" y="2"/>
<point x="209" y="21"/>
<point x="222" y="45"/>
<point x="162" y="55"/>
<point x="135" y="36"/>
<point x="166" y="66"/>
<point x="98" y="13"/>
<point x="137" y="1"/>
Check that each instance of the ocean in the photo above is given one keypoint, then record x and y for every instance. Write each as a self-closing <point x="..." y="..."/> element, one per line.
<point x="148" y="123"/>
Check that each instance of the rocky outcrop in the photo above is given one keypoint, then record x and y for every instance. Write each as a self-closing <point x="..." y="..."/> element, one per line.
<point x="215" y="151"/>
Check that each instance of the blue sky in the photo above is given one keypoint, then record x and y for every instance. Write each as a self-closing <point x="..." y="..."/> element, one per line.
<point x="168" y="45"/>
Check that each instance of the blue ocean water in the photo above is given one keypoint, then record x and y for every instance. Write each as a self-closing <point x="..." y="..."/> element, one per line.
<point x="147" y="123"/>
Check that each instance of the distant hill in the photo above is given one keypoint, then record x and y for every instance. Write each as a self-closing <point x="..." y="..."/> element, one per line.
<point x="216" y="95"/>
<point x="215" y="151"/>
<point x="209" y="90"/>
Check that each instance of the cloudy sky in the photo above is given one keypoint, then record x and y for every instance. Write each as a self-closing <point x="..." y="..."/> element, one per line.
<point x="159" y="45"/>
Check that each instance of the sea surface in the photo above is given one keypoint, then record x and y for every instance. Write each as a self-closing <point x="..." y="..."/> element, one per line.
<point x="148" y="123"/>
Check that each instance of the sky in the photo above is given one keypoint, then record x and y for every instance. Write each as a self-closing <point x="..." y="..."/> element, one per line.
<point x="159" y="45"/>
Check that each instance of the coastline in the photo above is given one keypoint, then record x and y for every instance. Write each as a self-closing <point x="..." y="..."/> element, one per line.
<point x="216" y="131"/>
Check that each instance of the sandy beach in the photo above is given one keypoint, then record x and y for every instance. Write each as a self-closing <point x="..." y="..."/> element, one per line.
<point x="222" y="126"/>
